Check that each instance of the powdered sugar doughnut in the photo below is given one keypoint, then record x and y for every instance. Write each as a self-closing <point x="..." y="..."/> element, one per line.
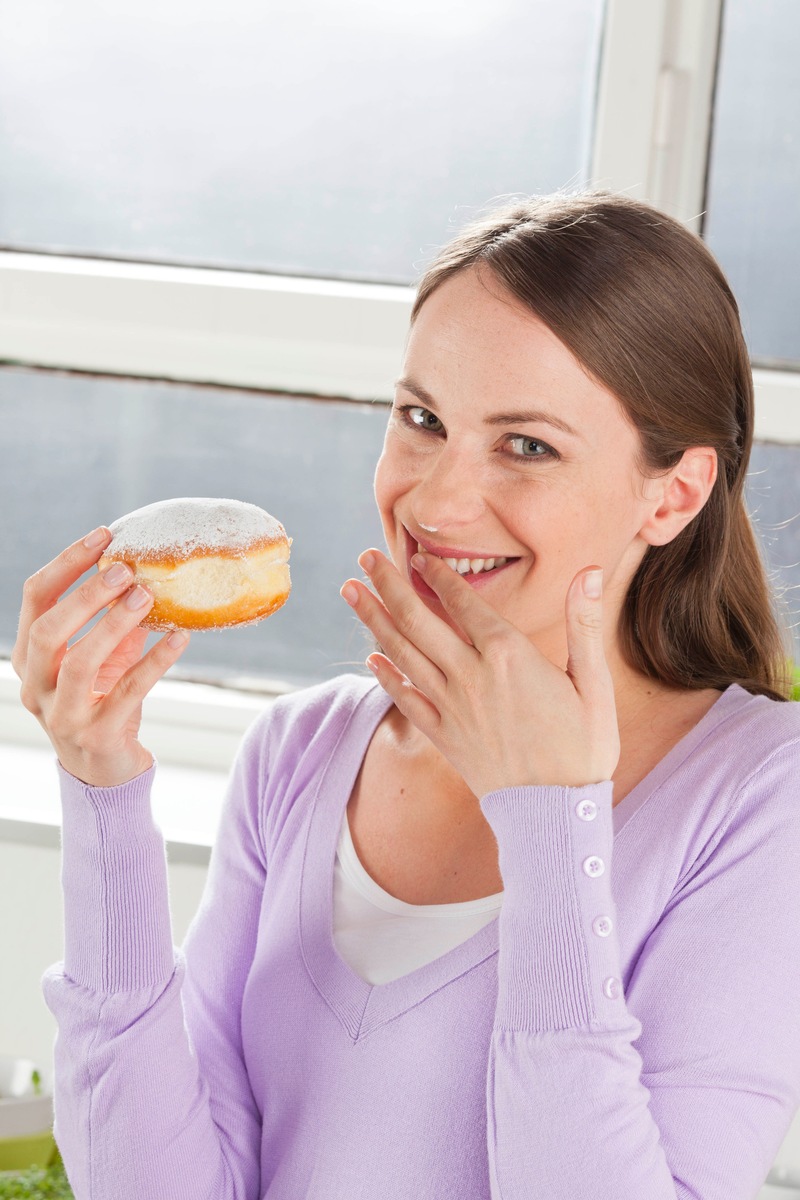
<point x="209" y="563"/>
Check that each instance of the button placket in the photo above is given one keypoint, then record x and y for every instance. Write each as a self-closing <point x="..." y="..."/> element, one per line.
<point x="593" y="866"/>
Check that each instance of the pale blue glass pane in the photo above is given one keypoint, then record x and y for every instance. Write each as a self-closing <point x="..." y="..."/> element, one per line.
<point x="753" y="213"/>
<point x="309" y="137"/>
<point x="773" y="502"/>
<point x="80" y="451"/>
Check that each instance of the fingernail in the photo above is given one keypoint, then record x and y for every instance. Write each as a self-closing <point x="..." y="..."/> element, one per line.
<point x="137" y="598"/>
<point x="177" y="638"/>
<point x="117" y="574"/>
<point x="593" y="584"/>
<point x="95" y="538"/>
<point x="350" y="594"/>
<point x="367" y="560"/>
<point x="419" y="562"/>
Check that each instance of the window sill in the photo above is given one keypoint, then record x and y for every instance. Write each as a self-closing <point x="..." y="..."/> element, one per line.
<point x="237" y="328"/>
<point x="193" y="730"/>
<point x="183" y="724"/>
<point x="186" y="803"/>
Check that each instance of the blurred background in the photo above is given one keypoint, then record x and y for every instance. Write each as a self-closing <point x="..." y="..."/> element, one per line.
<point x="245" y="195"/>
<point x="212" y="218"/>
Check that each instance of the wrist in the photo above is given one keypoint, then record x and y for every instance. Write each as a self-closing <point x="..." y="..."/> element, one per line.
<point x="105" y="775"/>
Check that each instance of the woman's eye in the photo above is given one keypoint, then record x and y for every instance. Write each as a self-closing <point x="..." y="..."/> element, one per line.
<point x="531" y="448"/>
<point x="423" y="418"/>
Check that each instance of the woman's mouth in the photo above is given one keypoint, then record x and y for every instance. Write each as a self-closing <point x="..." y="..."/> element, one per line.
<point x="475" y="571"/>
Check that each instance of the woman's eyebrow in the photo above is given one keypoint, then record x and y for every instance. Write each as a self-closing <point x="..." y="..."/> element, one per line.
<point x="518" y="417"/>
<point x="522" y="416"/>
<point x="416" y="389"/>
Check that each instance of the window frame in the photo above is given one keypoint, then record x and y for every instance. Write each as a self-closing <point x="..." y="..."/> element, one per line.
<point x="314" y="337"/>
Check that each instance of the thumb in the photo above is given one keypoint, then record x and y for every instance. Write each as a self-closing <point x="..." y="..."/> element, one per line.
<point x="586" y="665"/>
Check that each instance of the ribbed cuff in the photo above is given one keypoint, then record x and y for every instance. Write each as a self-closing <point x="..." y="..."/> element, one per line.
<point x="559" y="962"/>
<point x="117" y="925"/>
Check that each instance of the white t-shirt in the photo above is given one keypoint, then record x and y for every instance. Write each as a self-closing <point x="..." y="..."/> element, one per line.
<point x="382" y="938"/>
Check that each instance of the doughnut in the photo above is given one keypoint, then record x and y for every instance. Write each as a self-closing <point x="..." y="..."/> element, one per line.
<point x="209" y="563"/>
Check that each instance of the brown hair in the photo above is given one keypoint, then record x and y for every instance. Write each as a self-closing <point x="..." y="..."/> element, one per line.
<point x="643" y="305"/>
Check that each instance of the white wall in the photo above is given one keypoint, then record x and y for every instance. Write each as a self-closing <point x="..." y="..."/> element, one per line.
<point x="32" y="938"/>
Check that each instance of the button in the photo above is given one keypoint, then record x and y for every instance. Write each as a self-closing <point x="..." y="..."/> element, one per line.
<point x="586" y="810"/>
<point x="612" y="988"/>
<point x="602" y="926"/>
<point x="594" y="865"/>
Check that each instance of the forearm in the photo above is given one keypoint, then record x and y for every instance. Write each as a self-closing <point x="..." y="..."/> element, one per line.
<point x="117" y="926"/>
<point x="134" y="1115"/>
<point x="566" y="1107"/>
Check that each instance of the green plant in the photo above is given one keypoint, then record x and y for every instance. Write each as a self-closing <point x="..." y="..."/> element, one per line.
<point x="37" y="1183"/>
<point x="796" y="688"/>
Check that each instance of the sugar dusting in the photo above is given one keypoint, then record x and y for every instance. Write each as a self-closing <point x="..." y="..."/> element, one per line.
<point x="190" y="526"/>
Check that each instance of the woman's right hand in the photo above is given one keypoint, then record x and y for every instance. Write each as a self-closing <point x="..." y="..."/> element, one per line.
<point x="88" y="698"/>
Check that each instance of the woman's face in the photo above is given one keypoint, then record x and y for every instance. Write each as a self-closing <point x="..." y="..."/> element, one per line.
<point x="475" y="464"/>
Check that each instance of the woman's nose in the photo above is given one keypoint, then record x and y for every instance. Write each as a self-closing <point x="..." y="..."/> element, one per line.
<point x="448" y="495"/>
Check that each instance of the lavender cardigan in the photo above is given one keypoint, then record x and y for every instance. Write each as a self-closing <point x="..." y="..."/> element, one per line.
<point x="627" y="1029"/>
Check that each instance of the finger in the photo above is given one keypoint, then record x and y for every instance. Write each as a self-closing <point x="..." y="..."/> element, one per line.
<point x="131" y="688"/>
<point x="83" y="661"/>
<point x="126" y="655"/>
<point x="50" y="632"/>
<point x="480" y="622"/>
<point x="397" y="647"/>
<point x="586" y="666"/>
<point x="409" y="700"/>
<point x="412" y="617"/>
<point x="42" y="590"/>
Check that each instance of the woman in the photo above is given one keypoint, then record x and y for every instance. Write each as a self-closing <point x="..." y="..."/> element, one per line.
<point x="416" y="970"/>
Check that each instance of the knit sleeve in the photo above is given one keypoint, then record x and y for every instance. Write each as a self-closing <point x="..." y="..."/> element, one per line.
<point x="151" y="1091"/>
<point x="683" y="1083"/>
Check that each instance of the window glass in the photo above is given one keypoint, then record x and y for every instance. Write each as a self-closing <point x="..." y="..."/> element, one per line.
<point x="329" y="139"/>
<point x="753" y="215"/>
<point x="81" y="451"/>
<point x="772" y="497"/>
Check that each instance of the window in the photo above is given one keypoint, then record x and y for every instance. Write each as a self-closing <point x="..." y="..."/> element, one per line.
<point x="753" y="221"/>
<point x="314" y="157"/>
<point x="83" y="451"/>
<point x="239" y="204"/>
<point x="333" y="140"/>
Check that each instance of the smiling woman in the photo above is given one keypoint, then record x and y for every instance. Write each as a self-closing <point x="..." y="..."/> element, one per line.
<point x="648" y="316"/>
<point x="493" y="906"/>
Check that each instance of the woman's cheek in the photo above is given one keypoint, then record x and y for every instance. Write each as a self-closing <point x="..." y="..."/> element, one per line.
<point x="397" y="468"/>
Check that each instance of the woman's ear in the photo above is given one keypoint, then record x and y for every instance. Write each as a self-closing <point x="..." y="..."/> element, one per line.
<point x="684" y="491"/>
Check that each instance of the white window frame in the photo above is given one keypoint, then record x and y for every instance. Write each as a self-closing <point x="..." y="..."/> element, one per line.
<point x="345" y="339"/>
<point x="235" y="328"/>
<point x="652" y="133"/>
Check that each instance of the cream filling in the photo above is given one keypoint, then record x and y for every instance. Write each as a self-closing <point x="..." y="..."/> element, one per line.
<point x="214" y="580"/>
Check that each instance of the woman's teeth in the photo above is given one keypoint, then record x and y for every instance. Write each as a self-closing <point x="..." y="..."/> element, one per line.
<point x="469" y="566"/>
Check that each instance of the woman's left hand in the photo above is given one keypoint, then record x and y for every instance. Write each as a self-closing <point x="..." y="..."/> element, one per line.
<point x="497" y="708"/>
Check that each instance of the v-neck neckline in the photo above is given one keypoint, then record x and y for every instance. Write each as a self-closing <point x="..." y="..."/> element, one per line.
<point x="360" y="1006"/>
<point x="730" y="701"/>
